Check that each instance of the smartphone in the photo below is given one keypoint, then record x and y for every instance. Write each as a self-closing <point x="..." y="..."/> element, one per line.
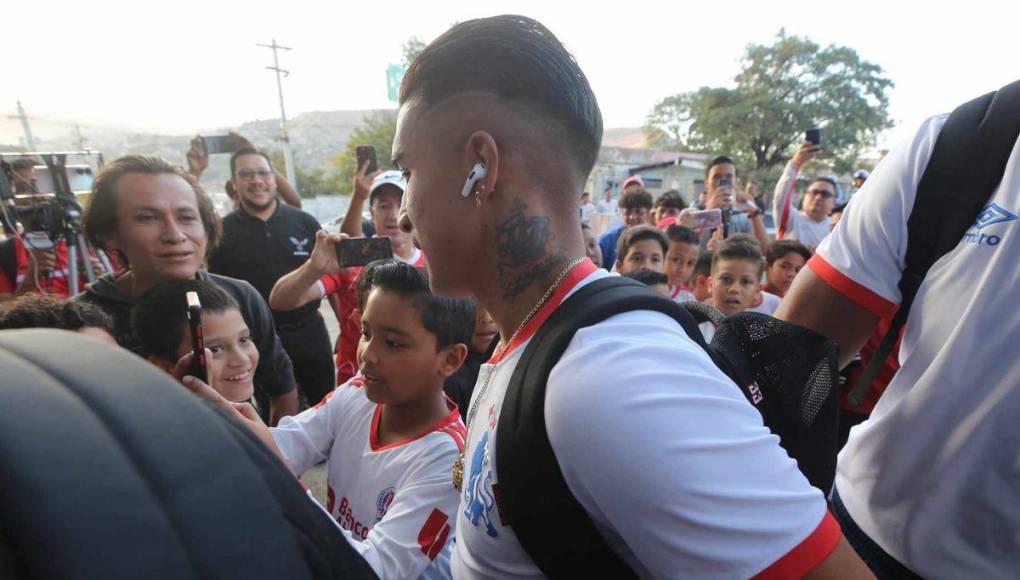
<point x="813" y="136"/>
<point x="703" y="219"/>
<point x="221" y="144"/>
<point x="725" y="182"/>
<point x="199" y="366"/>
<point x="362" y="251"/>
<point x="366" y="153"/>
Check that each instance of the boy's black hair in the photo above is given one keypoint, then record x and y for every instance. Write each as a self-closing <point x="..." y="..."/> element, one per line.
<point x="160" y="318"/>
<point x="636" y="234"/>
<point x="648" y="277"/>
<point x="671" y="198"/>
<point x="683" y="235"/>
<point x="47" y="311"/>
<point x="363" y="285"/>
<point x="780" y="248"/>
<point x="517" y="59"/>
<point x="450" y="320"/>
<point x="703" y="267"/>
<point x="720" y="160"/>
<point x="636" y="199"/>
<point x="739" y="247"/>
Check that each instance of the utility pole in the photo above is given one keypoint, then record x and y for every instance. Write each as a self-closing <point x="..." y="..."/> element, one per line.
<point x="81" y="140"/>
<point x="29" y="141"/>
<point x="284" y="138"/>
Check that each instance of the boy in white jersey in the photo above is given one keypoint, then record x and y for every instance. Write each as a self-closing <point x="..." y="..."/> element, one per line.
<point x="390" y="435"/>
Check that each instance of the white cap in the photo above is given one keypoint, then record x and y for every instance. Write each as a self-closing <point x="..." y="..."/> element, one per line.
<point x="391" y="177"/>
<point x="860" y="174"/>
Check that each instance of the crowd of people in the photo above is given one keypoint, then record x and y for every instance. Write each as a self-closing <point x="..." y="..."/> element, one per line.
<point x="674" y="468"/>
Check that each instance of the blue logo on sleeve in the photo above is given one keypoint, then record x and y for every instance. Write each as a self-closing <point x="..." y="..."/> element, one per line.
<point x="478" y="492"/>
<point x="992" y="214"/>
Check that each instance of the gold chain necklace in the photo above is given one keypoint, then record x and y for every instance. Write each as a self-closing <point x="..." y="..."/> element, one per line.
<point x="458" y="465"/>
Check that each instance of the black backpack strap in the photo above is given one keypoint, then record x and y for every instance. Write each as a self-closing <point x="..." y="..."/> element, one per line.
<point x="550" y="524"/>
<point x="966" y="165"/>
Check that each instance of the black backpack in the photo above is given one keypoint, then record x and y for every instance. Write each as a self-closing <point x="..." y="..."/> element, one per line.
<point x="789" y="373"/>
<point x="113" y="470"/>
<point x="966" y="166"/>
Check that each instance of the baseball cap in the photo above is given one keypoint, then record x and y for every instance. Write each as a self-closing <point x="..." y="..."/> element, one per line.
<point x="391" y="177"/>
<point x="861" y="174"/>
<point x="632" y="180"/>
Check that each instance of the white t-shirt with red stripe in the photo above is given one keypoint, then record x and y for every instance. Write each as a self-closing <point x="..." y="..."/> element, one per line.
<point x="768" y="303"/>
<point x="681" y="294"/>
<point x="662" y="450"/>
<point x="934" y="475"/>
<point x="396" y="503"/>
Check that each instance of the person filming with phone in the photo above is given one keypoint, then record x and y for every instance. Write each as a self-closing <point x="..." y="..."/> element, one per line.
<point x="809" y="225"/>
<point x="198" y="161"/>
<point x="323" y="274"/>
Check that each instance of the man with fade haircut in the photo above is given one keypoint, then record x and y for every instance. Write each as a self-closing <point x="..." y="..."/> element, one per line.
<point x="502" y="94"/>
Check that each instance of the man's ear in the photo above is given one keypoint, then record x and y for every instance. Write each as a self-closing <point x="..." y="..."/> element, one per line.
<point x="163" y="364"/>
<point x="481" y="148"/>
<point x="707" y="281"/>
<point x="452" y="358"/>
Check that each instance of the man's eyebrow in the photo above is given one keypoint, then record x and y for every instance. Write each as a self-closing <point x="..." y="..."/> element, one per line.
<point x="394" y="330"/>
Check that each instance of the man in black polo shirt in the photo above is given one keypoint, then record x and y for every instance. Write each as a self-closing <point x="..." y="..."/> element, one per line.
<point x="263" y="240"/>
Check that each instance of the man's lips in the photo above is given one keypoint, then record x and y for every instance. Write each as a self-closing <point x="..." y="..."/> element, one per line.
<point x="173" y="256"/>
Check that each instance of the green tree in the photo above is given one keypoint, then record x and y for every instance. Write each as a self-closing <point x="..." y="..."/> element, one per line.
<point x="411" y="49"/>
<point x="781" y="90"/>
<point x="378" y="130"/>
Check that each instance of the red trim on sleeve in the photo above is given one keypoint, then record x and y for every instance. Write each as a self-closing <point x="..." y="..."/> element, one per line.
<point x="808" y="554"/>
<point x="785" y="219"/>
<point x="862" y="296"/>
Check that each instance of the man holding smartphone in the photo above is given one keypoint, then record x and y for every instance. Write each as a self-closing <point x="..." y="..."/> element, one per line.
<point x="263" y="240"/>
<point x="322" y="275"/>
<point x="809" y="225"/>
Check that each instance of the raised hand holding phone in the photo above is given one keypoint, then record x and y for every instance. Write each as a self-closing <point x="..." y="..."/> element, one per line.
<point x="199" y="367"/>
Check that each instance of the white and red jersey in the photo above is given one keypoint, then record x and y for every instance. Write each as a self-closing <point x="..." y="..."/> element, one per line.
<point x="661" y="449"/>
<point x="396" y="502"/>
<point x="933" y="476"/>
<point x="681" y="294"/>
<point x="767" y="303"/>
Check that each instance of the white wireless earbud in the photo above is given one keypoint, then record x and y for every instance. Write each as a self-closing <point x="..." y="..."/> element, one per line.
<point x="477" y="173"/>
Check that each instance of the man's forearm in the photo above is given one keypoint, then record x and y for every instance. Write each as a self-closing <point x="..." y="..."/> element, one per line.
<point x="352" y="219"/>
<point x="760" y="233"/>
<point x="784" y="190"/>
<point x="294" y="289"/>
<point x="281" y="406"/>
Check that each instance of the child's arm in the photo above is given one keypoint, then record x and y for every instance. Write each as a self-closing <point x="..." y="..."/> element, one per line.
<point x="305" y="439"/>
<point x="418" y="525"/>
